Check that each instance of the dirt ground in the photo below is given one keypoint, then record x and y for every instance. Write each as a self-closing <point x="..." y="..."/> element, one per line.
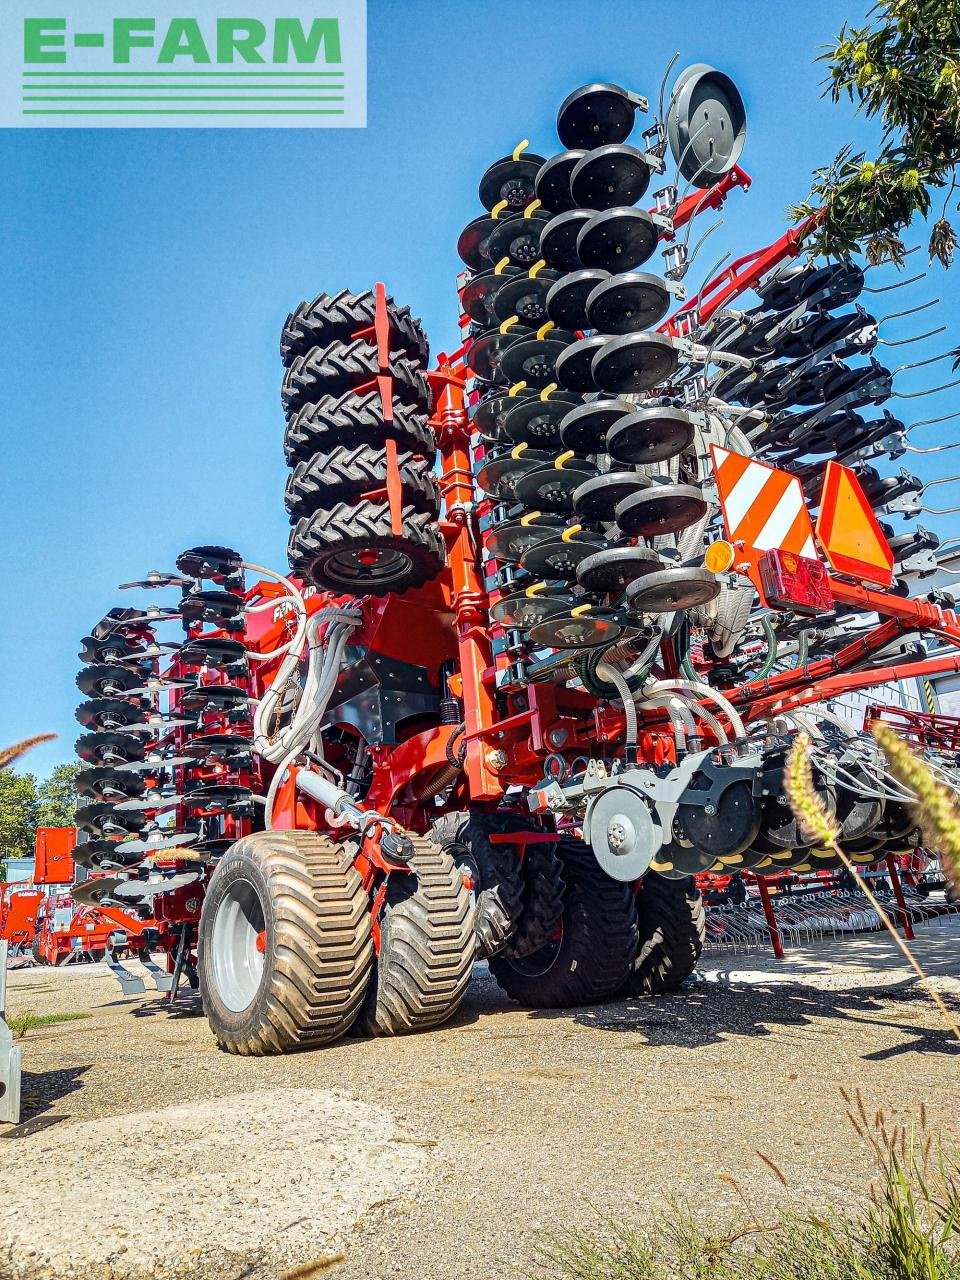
<point x="145" y="1152"/>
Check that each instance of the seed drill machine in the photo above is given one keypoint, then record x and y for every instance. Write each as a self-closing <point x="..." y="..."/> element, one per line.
<point x="557" y="604"/>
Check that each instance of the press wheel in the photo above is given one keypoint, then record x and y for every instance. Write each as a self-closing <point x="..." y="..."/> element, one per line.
<point x="671" y="589"/>
<point x="661" y="508"/>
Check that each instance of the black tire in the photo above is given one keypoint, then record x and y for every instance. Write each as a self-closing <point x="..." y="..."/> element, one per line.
<point x="301" y="893"/>
<point x="543" y="886"/>
<point x="343" y="474"/>
<point x="350" y="420"/>
<point x="427" y="946"/>
<point x="336" y="317"/>
<point x="672" y="924"/>
<point x="333" y="550"/>
<point x="494" y="868"/>
<point x="337" y="368"/>
<point x="595" y="948"/>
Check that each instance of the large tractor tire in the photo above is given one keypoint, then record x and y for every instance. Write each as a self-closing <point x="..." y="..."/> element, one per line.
<point x="344" y="474"/>
<point x="494" y="868"/>
<point x="427" y="946"/>
<point x="285" y="945"/>
<point x="350" y="420"/>
<point x="339" y="367"/>
<point x="336" y="317"/>
<point x="672" y="924"/>
<point x="352" y="549"/>
<point x="594" y="945"/>
<point x="542" y="909"/>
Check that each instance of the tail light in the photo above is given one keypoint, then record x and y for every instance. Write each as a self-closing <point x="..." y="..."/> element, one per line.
<point x="795" y="582"/>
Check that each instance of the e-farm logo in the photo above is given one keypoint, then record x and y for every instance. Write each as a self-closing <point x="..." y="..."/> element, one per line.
<point x="278" y="64"/>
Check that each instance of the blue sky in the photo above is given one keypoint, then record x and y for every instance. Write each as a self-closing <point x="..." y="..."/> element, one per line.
<point x="146" y="275"/>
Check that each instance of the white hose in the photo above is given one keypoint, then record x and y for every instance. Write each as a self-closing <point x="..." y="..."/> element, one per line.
<point x="296" y="643"/>
<point x="703" y="691"/>
<point x="680" y="718"/>
<point x="322" y="670"/>
<point x="708" y="718"/>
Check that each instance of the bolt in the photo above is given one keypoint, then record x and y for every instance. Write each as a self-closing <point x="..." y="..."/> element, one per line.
<point x="557" y="737"/>
<point x="497" y="759"/>
<point x="710" y="810"/>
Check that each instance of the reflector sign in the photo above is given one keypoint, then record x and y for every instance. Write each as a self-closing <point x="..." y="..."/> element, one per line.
<point x="848" y="531"/>
<point x="762" y="506"/>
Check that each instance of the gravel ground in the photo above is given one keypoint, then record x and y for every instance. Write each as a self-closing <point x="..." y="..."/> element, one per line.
<point x="444" y="1156"/>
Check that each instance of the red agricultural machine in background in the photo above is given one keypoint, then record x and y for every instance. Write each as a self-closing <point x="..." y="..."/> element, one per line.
<point x="555" y="608"/>
<point x="41" y="919"/>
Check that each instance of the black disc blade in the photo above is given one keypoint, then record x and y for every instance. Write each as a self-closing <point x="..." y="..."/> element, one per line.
<point x="517" y="239"/>
<point x="110" y="748"/>
<point x="213" y="695"/>
<point x="111" y="713"/>
<point x="558" y="557"/>
<point x="558" y="241"/>
<point x="499" y="476"/>
<point x="575" y="364"/>
<point x="597" y="499"/>
<point x="613" y="569"/>
<point x="551" y="488"/>
<point x="650" y="435"/>
<point x="473" y="245"/>
<point x="634" y="363"/>
<point x="508" y="542"/>
<point x="486" y="354"/>
<point x="533" y="361"/>
<point x="523" y="297"/>
<point x="567" y="299"/>
<point x="211" y="562"/>
<point x="627" y="303"/>
<point x="489" y="416"/>
<point x="523" y="611"/>
<point x="583" y="631"/>
<point x="671" y="589"/>
<point x="221" y="607"/>
<point x="104" y="680"/>
<point x="476" y="296"/>
<point x="212" y="652"/>
<point x="511" y="181"/>
<point x="552" y="183"/>
<point x="537" y="421"/>
<point x="585" y="428"/>
<point x="662" y="508"/>
<point x="617" y="240"/>
<point x="610" y="177"/>
<point x="595" y="115"/>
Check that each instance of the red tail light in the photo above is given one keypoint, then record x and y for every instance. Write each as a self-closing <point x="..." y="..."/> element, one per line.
<point x="795" y="582"/>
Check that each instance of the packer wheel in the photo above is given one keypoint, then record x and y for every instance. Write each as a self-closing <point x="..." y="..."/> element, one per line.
<point x="285" y="945"/>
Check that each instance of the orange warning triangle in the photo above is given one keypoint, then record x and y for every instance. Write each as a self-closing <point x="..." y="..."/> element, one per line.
<point x="847" y="529"/>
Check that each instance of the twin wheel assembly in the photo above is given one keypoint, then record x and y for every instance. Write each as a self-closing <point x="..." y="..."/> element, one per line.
<point x="532" y="668"/>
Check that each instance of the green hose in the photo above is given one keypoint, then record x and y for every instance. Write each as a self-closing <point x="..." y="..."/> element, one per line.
<point x="771" y="638"/>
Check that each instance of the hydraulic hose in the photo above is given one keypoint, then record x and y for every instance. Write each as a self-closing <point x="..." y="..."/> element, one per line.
<point x="703" y="691"/>
<point x="606" y="671"/>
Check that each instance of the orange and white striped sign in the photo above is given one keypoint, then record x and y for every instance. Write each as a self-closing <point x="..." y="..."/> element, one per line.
<point x="762" y="506"/>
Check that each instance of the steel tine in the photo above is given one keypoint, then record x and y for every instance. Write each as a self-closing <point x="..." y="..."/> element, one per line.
<point x="899" y="284"/>
<point x="929" y="422"/>
<point x="905" y="342"/>
<point x="911" y="311"/>
<point x="663" y="86"/>
<point x="916" y="395"/>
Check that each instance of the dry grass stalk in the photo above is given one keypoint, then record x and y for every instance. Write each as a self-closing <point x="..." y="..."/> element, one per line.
<point x="9" y="754"/>
<point x="808" y="807"/>
<point x="936" y="804"/>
